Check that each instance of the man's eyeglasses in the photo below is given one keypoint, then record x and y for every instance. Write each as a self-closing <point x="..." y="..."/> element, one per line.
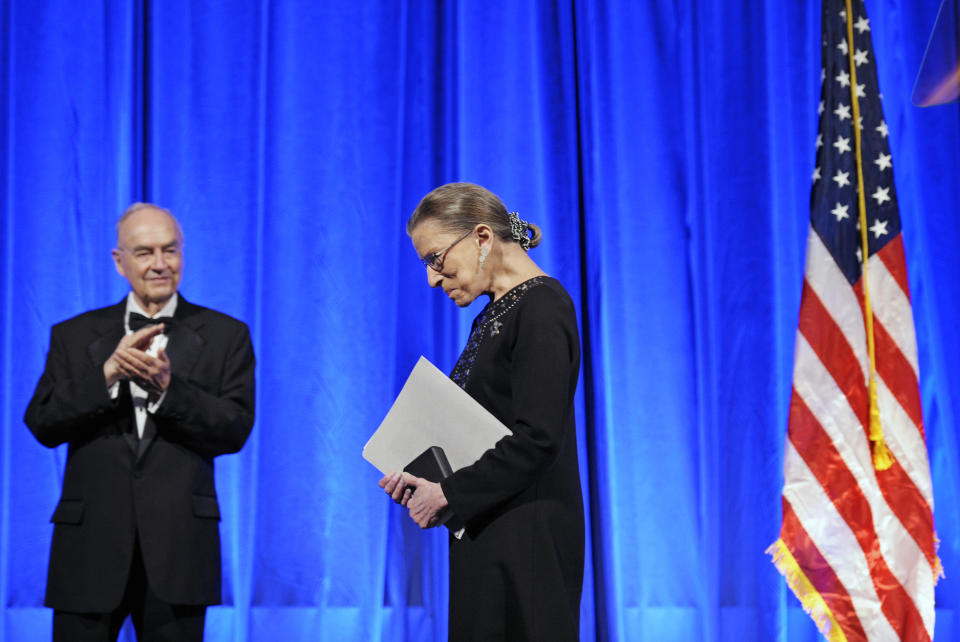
<point x="434" y="260"/>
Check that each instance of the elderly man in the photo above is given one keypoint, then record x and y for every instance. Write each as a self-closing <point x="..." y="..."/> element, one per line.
<point x="145" y="393"/>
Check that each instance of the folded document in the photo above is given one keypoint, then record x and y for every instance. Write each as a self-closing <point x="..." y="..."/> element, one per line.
<point x="431" y="410"/>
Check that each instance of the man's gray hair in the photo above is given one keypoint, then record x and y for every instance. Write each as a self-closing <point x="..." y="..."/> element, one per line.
<point x="136" y="207"/>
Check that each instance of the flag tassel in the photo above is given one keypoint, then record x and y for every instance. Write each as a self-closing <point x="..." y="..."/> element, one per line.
<point x="881" y="454"/>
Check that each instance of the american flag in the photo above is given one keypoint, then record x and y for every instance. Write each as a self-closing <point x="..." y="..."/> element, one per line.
<point x="857" y="544"/>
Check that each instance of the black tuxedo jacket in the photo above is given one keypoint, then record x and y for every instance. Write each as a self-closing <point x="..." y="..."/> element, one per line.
<point x="161" y="489"/>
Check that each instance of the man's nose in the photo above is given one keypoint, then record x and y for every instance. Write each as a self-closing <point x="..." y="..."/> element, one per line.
<point x="159" y="262"/>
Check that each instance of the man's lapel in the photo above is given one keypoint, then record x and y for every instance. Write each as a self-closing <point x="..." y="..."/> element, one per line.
<point x="186" y="344"/>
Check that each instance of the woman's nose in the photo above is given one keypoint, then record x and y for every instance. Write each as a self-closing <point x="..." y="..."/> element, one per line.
<point x="433" y="277"/>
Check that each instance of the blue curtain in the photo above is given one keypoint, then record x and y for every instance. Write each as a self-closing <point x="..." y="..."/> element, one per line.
<point x="666" y="150"/>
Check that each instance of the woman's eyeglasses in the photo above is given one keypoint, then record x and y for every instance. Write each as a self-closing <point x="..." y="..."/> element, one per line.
<point x="434" y="260"/>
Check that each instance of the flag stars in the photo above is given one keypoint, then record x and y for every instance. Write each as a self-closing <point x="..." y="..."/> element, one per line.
<point x="882" y="195"/>
<point x="879" y="228"/>
<point x="840" y="211"/>
<point x="842" y="145"/>
<point x="850" y="99"/>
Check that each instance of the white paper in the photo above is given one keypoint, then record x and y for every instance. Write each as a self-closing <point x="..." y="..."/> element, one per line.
<point x="431" y="410"/>
<point x="157" y="343"/>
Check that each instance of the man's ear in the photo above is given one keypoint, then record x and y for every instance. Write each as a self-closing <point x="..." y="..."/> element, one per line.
<point x="117" y="263"/>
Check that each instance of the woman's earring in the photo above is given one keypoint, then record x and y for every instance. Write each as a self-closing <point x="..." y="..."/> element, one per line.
<point x="483" y="255"/>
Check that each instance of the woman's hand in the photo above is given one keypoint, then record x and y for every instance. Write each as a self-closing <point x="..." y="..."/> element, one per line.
<point x="424" y="505"/>
<point x="393" y="484"/>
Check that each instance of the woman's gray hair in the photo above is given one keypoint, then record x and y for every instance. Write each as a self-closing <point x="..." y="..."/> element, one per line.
<point x="460" y="207"/>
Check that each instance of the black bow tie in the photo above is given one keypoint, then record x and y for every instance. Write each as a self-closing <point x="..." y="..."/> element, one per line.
<point x="138" y="321"/>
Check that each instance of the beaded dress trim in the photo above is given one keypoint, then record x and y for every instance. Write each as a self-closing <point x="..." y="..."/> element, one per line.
<point x="488" y="324"/>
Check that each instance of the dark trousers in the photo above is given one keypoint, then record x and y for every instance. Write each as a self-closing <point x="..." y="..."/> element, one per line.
<point x="153" y="619"/>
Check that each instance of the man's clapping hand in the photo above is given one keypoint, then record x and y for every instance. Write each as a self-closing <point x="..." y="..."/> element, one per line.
<point x="130" y="361"/>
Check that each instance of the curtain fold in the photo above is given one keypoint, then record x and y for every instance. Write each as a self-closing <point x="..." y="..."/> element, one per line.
<point x="664" y="148"/>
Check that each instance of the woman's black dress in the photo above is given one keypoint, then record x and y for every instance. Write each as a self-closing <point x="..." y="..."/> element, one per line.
<point x="518" y="572"/>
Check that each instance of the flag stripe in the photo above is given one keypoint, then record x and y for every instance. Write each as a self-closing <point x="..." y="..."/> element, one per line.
<point x="898" y="488"/>
<point x="832" y="289"/>
<point x="847" y="496"/>
<point x="893" y="368"/>
<point x="895" y="261"/>
<point x="834" y="351"/>
<point x="818" y="325"/>
<point x="838" y="545"/>
<point x="840" y="431"/>
<point x="821" y="575"/>
<point x="892" y="309"/>
<point x="908" y="444"/>
<point x="910" y="508"/>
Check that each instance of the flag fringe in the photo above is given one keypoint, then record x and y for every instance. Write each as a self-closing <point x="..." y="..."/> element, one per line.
<point x="811" y="600"/>
<point x="937" y="565"/>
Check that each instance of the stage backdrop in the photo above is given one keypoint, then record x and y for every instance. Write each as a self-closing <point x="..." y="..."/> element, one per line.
<point x="666" y="149"/>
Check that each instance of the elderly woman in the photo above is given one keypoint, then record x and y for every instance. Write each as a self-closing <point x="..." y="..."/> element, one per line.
<point x="517" y="573"/>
